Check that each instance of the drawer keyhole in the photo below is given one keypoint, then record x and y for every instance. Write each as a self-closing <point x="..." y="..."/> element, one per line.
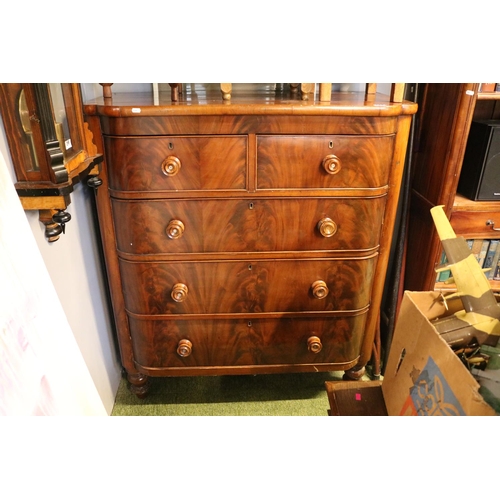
<point x="250" y="205"/>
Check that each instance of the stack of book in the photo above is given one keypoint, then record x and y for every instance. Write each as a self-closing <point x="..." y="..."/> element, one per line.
<point x="487" y="253"/>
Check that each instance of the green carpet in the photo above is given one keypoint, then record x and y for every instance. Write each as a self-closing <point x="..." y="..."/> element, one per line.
<point x="295" y="394"/>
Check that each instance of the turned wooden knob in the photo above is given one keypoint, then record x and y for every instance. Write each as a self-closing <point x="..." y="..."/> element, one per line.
<point x="319" y="289"/>
<point x="175" y="229"/>
<point x="179" y="292"/>
<point x="331" y="164"/>
<point x="314" y="344"/>
<point x="171" y="165"/>
<point x="184" y="348"/>
<point x="327" y="227"/>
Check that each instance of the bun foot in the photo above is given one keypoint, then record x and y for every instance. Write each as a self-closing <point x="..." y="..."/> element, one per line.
<point x="139" y="384"/>
<point x="354" y="373"/>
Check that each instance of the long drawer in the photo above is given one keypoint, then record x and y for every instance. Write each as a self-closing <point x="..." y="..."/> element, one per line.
<point x="247" y="286"/>
<point x="162" y="343"/>
<point x="476" y="224"/>
<point x="317" y="161"/>
<point x="242" y="225"/>
<point x="177" y="163"/>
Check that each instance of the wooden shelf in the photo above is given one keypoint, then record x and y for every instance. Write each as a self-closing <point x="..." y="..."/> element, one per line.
<point x="463" y="204"/>
<point x="442" y="287"/>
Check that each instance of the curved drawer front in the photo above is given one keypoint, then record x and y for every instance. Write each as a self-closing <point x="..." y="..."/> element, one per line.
<point x="236" y="225"/>
<point x="176" y="163"/>
<point x="323" y="161"/>
<point x="247" y="287"/>
<point x="246" y="342"/>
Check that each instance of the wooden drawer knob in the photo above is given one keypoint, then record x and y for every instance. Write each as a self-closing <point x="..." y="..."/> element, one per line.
<point x="314" y="344"/>
<point x="327" y="227"/>
<point x="175" y="229"/>
<point x="319" y="289"/>
<point x="184" y="348"/>
<point x="179" y="292"/>
<point x="331" y="163"/>
<point x="171" y="165"/>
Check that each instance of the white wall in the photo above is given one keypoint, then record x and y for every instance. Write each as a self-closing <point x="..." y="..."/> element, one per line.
<point x="42" y="370"/>
<point x="75" y="268"/>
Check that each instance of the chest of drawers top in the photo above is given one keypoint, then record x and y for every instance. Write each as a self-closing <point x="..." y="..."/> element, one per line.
<point x="347" y="113"/>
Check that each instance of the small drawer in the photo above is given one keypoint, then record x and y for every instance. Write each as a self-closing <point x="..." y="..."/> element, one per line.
<point x="247" y="286"/>
<point x="484" y="224"/>
<point x="176" y="163"/>
<point x="236" y="225"/>
<point x="245" y="342"/>
<point x="323" y="161"/>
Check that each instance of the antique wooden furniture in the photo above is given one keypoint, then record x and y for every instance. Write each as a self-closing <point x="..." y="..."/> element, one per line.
<point x="248" y="235"/>
<point x="50" y="145"/>
<point x="445" y="115"/>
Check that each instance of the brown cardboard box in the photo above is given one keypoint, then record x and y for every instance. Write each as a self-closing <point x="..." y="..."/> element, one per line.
<point x="423" y="375"/>
<point x="487" y="87"/>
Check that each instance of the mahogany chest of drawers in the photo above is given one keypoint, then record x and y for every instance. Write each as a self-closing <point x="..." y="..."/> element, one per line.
<point x="249" y="236"/>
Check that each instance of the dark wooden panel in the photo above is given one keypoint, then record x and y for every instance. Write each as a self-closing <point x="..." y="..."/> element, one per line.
<point x="438" y="128"/>
<point x="297" y="161"/>
<point x="445" y="114"/>
<point x="247" y="226"/>
<point x="247" y="286"/>
<point x="135" y="164"/>
<point x="246" y="342"/>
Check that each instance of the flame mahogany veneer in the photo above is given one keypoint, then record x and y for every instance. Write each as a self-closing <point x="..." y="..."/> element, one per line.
<point x="247" y="237"/>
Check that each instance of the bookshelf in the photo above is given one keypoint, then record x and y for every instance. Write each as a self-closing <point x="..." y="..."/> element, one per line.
<point x="446" y="112"/>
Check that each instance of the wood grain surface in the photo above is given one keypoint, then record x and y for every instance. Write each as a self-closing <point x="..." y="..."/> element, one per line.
<point x="247" y="341"/>
<point x="247" y="286"/>
<point x="296" y="161"/>
<point x="235" y="225"/>
<point x="206" y="163"/>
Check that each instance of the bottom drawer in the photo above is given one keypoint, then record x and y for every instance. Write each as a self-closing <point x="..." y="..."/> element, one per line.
<point x="244" y="342"/>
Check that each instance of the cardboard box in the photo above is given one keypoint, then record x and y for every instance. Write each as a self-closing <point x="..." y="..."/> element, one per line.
<point x="487" y="87"/>
<point x="423" y="375"/>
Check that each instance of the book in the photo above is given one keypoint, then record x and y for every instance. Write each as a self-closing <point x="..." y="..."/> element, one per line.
<point x="443" y="275"/>
<point x="476" y="248"/>
<point x="496" y="276"/>
<point x="482" y="253"/>
<point x="490" y="254"/>
<point x="492" y="258"/>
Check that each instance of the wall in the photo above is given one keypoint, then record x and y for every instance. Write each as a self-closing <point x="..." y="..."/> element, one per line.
<point x="42" y="370"/>
<point x="75" y="268"/>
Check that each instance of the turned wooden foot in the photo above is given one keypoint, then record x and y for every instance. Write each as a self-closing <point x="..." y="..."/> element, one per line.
<point x="354" y="373"/>
<point x="139" y="384"/>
